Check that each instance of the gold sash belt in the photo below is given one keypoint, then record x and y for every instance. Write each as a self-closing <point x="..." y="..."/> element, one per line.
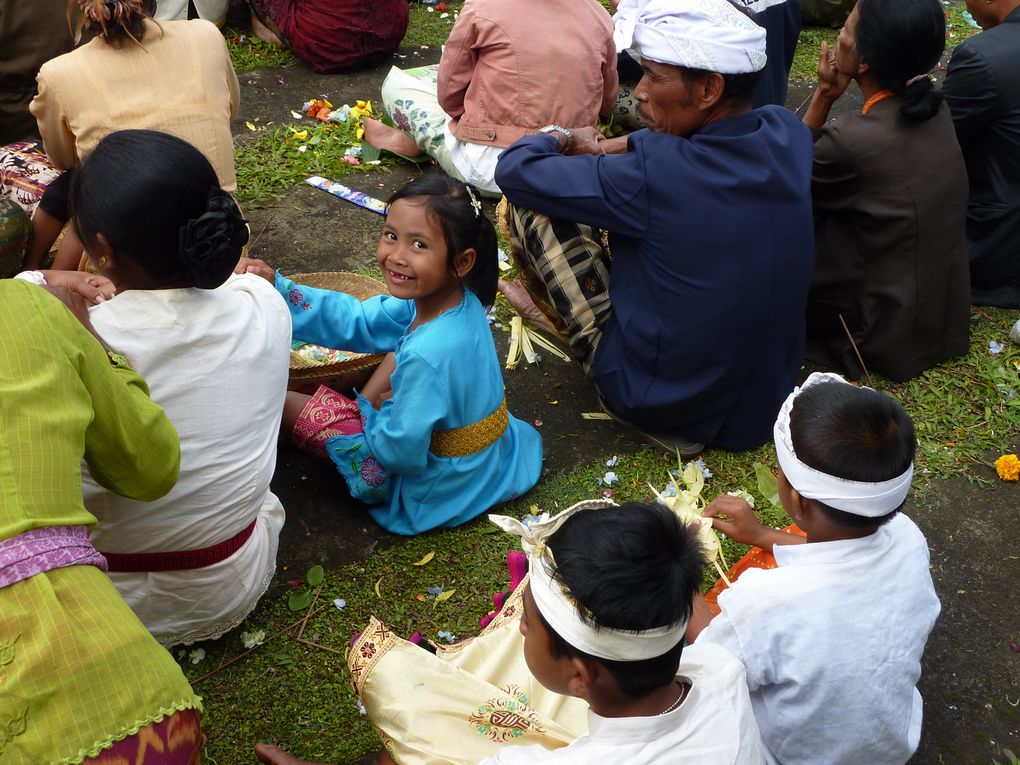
<point x="470" y="439"/>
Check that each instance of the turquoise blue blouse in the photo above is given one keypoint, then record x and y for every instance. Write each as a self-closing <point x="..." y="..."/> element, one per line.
<point x="447" y="376"/>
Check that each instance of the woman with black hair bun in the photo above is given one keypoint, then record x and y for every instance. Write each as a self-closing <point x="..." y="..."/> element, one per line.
<point x="215" y="349"/>
<point x="891" y="291"/>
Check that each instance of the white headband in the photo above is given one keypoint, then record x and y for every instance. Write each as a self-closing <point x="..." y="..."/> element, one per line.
<point x="699" y="34"/>
<point x="871" y="500"/>
<point x="560" y="609"/>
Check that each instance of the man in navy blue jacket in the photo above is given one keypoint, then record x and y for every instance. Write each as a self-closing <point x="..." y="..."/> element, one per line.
<point x="698" y="335"/>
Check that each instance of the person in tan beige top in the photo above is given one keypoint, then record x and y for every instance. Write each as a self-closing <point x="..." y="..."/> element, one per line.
<point x="173" y="76"/>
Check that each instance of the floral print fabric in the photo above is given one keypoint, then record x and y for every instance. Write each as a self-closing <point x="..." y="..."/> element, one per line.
<point x="331" y="427"/>
<point x="45" y="549"/>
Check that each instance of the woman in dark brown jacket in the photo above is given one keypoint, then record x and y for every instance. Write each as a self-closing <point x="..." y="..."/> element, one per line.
<point x="891" y="290"/>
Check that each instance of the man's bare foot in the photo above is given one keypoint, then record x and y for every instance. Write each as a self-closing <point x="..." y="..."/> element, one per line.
<point x="274" y="755"/>
<point x="521" y="301"/>
<point x="264" y="33"/>
<point x="389" y="138"/>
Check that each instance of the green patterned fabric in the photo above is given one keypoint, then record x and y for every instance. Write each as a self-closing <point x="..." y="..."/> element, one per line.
<point x="78" y="671"/>
<point x="15" y="230"/>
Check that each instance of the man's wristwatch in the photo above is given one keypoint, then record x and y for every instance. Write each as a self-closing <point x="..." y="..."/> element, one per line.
<point x="562" y="131"/>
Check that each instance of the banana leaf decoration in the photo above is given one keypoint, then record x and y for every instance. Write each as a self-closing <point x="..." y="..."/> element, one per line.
<point x="523" y="341"/>
<point x="682" y="495"/>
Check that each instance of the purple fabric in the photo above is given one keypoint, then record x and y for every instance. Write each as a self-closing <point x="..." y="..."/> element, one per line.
<point x="45" y="549"/>
<point x="517" y="565"/>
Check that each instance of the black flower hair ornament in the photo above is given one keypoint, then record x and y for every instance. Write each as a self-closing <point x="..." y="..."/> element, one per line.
<point x="211" y="244"/>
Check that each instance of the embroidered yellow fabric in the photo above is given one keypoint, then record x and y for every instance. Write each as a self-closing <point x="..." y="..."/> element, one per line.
<point x="471" y="439"/>
<point x="474" y="697"/>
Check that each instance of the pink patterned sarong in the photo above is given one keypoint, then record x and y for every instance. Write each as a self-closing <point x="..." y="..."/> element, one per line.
<point x="45" y="549"/>
<point x="327" y="414"/>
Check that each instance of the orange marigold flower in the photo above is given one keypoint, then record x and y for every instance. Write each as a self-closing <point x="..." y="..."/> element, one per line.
<point x="1008" y="467"/>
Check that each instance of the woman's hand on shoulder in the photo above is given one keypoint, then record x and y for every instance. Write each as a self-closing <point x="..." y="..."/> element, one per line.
<point x="76" y="305"/>
<point x="257" y="267"/>
<point x="93" y="288"/>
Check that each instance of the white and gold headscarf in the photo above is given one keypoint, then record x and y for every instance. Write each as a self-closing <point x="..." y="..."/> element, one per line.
<point x="562" y="611"/>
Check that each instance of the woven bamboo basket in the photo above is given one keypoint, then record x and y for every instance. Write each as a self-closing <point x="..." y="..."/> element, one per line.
<point x="303" y="372"/>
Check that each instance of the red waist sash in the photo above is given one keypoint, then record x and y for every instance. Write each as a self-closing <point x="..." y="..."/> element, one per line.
<point x="179" y="561"/>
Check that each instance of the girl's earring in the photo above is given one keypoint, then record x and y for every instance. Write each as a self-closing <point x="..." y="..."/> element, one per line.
<point x="103" y="261"/>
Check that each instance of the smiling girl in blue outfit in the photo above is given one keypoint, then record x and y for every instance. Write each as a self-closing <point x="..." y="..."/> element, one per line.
<point x="429" y="441"/>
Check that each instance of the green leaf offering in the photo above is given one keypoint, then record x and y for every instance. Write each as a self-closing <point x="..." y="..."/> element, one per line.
<point x="428" y="556"/>
<point x="444" y="595"/>
<point x="315" y="575"/>
<point x="299" y="599"/>
<point x="369" y="153"/>
<point x="768" y="485"/>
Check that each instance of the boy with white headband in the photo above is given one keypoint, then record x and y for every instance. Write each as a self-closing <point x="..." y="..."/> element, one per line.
<point x="832" y="639"/>
<point x="604" y="619"/>
<point x="603" y="626"/>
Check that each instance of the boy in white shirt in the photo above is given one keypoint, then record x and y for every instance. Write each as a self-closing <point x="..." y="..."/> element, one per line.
<point x="604" y="619"/>
<point x="605" y="613"/>
<point x="832" y="639"/>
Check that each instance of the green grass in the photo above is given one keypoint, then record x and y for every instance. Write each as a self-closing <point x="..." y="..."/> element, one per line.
<point x="271" y="160"/>
<point x="427" y="25"/>
<point x="247" y="52"/>
<point x="957" y="28"/>
<point x="809" y="46"/>
<point x="805" y="60"/>
<point x="967" y="408"/>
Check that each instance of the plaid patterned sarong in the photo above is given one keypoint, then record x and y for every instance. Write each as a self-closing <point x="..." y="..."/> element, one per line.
<point x="565" y="268"/>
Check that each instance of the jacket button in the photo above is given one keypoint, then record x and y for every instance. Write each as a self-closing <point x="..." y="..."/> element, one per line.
<point x="490" y="133"/>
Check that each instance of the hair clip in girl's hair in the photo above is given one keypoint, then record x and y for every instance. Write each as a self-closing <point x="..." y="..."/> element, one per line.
<point x="475" y="203"/>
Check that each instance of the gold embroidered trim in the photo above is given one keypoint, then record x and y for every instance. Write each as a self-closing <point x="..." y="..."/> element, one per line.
<point x="375" y="641"/>
<point x="471" y="439"/>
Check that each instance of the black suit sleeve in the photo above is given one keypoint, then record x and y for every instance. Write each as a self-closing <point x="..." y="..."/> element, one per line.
<point x="971" y="91"/>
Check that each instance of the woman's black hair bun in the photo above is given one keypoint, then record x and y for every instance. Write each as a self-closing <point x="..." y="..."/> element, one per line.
<point x="211" y="244"/>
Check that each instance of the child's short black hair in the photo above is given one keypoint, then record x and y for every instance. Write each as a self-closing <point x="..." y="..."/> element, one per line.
<point x="457" y="208"/>
<point x="854" y="433"/>
<point x="632" y="567"/>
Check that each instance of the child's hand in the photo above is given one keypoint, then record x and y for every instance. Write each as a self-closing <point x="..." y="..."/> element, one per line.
<point x="379" y="388"/>
<point x="257" y="267"/>
<point x="741" y="525"/>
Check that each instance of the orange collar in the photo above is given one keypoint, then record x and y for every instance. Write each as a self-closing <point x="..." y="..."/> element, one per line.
<point x="879" y="96"/>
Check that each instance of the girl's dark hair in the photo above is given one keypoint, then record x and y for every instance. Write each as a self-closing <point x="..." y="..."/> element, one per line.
<point x="901" y="40"/>
<point x="457" y="208"/>
<point x="854" y="433"/>
<point x="115" y="21"/>
<point x="633" y="567"/>
<point x="157" y="201"/>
